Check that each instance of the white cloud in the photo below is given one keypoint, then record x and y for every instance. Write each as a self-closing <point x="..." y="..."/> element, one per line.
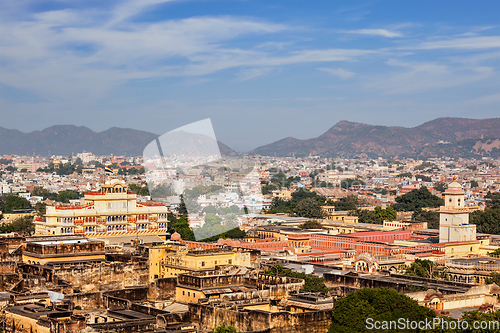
<point x="418" y="77"/>
<point x="376" y="32"/>
<point x="469" y="43"/>
<point x="338" y="72"/>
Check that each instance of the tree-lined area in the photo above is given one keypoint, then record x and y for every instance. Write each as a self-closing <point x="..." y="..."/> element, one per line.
<point x="312" y="283"/>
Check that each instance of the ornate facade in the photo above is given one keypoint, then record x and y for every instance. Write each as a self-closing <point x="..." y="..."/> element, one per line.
<point x="111" y="211"/>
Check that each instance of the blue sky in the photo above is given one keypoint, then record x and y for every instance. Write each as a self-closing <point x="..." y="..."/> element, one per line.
<point x="261" y="70"/>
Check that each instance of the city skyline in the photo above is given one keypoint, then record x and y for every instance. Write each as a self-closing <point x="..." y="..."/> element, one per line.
<point x="261" y="72"/>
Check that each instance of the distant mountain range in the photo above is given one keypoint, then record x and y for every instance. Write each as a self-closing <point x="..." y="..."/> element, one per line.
<point x="68" y="139"/>
<point x="454" y="137"/>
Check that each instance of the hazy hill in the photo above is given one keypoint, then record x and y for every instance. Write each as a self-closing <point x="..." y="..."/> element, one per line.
<point x="461" y="137"/>
<point x="68" y="139"/>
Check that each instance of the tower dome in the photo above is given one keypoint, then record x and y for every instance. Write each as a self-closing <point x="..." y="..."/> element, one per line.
<point x="175" y="236"/>
<point x="454" y="188"/>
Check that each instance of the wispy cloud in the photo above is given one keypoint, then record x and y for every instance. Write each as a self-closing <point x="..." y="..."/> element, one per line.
<point x="338" y="72"/>
<point x="417" y="77"/>
<point x="468" y="43"/>
<point x="376" y="32"/>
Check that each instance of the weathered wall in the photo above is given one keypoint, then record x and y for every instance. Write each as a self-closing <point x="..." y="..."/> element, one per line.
<point x="208" y="317"/>
<point x="162" y="289"/>
<point x="104" y="276"/>
<point x="129" y="326"/>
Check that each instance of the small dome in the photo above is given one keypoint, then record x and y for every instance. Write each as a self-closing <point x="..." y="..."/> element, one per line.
<point x="175" y="236"/>
<point x="454" y="188"/>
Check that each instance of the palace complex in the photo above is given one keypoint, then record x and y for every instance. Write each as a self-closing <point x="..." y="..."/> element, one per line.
<point x="110" y="211"/>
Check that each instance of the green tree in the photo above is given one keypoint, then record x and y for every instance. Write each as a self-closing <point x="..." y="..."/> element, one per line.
<point x="311" y="224"/>
<point x="418" y="198"/>
<point x="10" y="202"/>
<point x="66" y="196"/>
<point x="474" y="184"/>
<point x="312" y="284"/>
<point x="40" y="208"/>
<point x="440" y="186"/>
<point x="180" y="226"/>
<point x="422" y="268"/>
<point x="309" y="208"/>
<point x="182" y="209"/>
<point x="222" y="328"/>
<point x="431" y="217"/>
<point x="424" y="178"/>
<point x="350" y="313"/>
<point x="350" y="202"/>
<point x="22" y="224"/>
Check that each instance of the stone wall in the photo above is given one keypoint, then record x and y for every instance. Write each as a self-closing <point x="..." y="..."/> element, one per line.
<point x="162" y="289"/>
<point x="208" y="317"/>
<point x="104" y="276"/>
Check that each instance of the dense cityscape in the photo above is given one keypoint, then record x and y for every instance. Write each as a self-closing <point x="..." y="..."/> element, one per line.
<point x="91" y="247"/>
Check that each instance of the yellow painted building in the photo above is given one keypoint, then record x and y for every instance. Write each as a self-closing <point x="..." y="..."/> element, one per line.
<point x="111" y="211"/>
<point x="172" y="259"/>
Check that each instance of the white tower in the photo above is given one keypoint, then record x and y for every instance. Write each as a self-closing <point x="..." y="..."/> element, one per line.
<point x="454" y="217"/>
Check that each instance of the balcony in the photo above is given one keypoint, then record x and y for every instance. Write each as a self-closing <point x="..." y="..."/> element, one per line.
<point x="78" y="221"/>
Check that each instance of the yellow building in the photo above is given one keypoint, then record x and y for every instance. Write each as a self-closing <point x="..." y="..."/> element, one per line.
<point x="111" y="211"/>
<point x="338" y="216"/>
<point x="172" y="259"/>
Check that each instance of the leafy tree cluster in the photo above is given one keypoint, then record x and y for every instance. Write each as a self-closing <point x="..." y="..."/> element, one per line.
<point x="424" y="165"/>
<point x="5" y="161"/>
<point x="304" y="203"/>
<point x="141" y="190"/>
<point x="350" y="202"/>
<point x="418" y="198"/>
<point x="233" y="209"/>
<point x="350" y="313"/>
<point x="281" y="180"/>
<point x="429" y="216"/>
<point x="405" y="175"/>
<point x="487" y="220"/>
<point x="424" y="178"/>
<point x="162" y="191"/>
<point x="474" y="184"/>
<point x="376" y="216"/>
<point x="180" y="226"/>
<point x="196" y="191"/>
<point x="440" y="186"/>
<point x="312" y="283"/>
<point x="425" y="269"/>
<point x="311" y="224"/>
<point x="380" y="190"/>
<point x="349" y="182"/>
<point x="22" y="224"/>
<point x="64" y="169"/>
<point x="10" y="202"/>
<point x="62" y="196"/>
<point x="131" y="171"/>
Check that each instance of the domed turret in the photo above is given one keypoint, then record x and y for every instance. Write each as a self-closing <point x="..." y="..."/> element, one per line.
<point x="175" y="236"/>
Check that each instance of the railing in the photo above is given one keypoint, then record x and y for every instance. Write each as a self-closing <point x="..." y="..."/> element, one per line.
<point x="131" y="219"/>
<point x="150" y="204"/>
<point x="40" y="219"/>
<point x="78" y="221"/>
<point x="79" y="232"/>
